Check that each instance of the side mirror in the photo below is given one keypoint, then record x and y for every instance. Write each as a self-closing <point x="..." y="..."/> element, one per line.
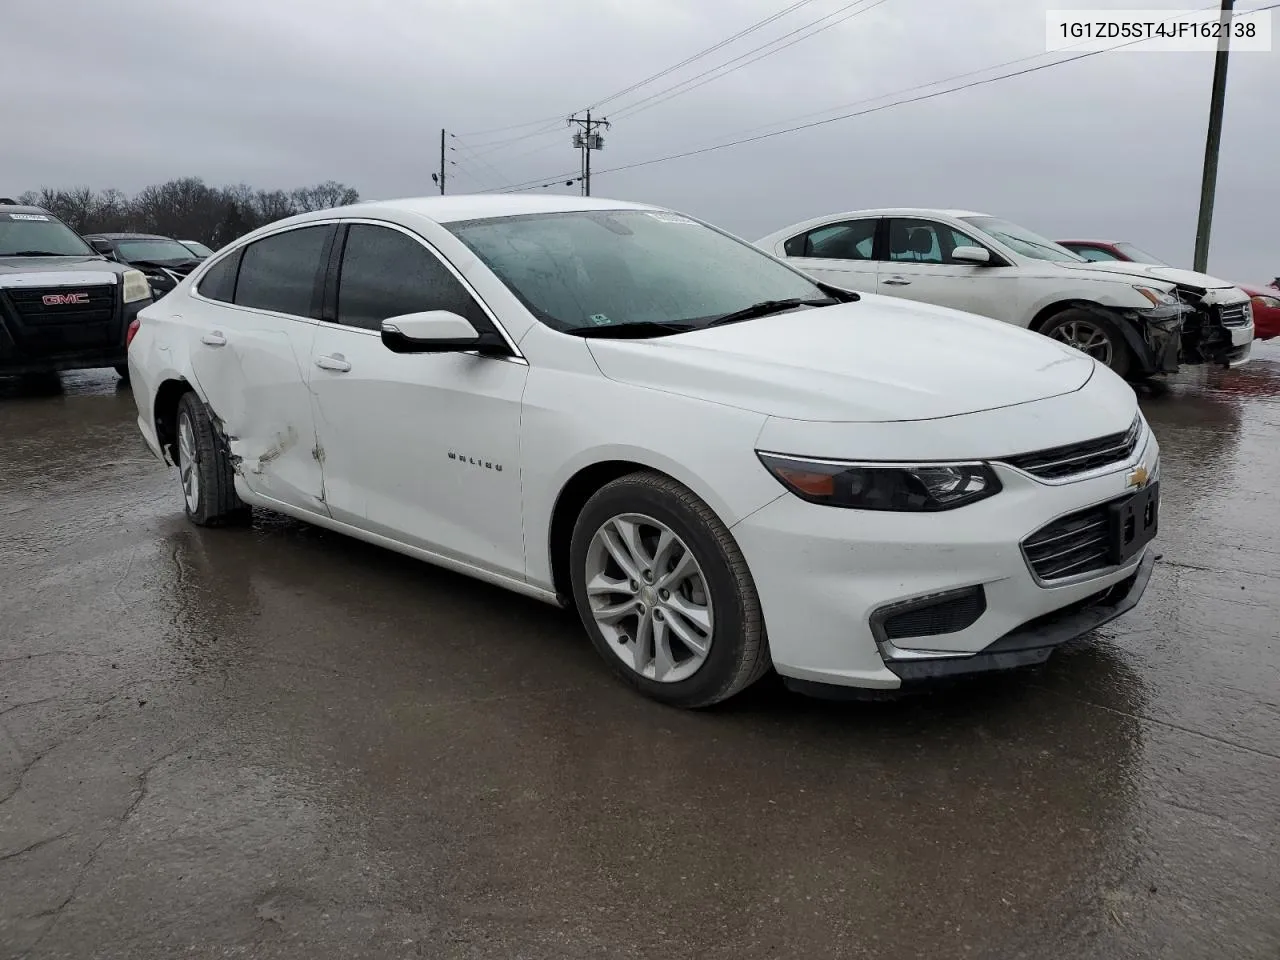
<point x="978" y="256"/>
<point x="437" y="331"/>
<point x="103" y="247"/>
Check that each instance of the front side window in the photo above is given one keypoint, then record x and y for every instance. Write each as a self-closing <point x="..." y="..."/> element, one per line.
<point x="40" y="235"/>
<point x="602" y="268"/>
<point x="926" y="241"/>
<point x="279" y="273"/>
<point x="1023" y="241"/>
<point x="854" y="240"/>
<point x="386" y="273"/>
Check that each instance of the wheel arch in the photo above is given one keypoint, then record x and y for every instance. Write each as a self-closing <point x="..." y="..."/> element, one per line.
<point x="1047" y="313"/>
<point x="165" y="413"/>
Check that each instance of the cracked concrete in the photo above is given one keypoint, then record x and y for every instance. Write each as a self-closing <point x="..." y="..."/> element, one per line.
<point x="277" y="742"/>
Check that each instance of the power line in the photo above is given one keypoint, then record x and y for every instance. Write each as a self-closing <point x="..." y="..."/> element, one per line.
<point x="702" y="53"/>
<point x="896" y="103"/>
<point x="652" y="100"/>
<point x="480" y="160"/>
<point x="543" y="124"/>
<point x="547" y="181"/>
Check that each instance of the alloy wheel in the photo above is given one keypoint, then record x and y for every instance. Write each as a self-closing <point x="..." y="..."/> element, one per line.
<point x="188" y="463"/>
<point x="649" y="598"/>
<point x="1088" y="338"/>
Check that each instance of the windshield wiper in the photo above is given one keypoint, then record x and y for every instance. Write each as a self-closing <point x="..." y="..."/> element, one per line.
<point x="38" y="253"/>
<point x="766" y="307"/>
<point x="629" y="331"/>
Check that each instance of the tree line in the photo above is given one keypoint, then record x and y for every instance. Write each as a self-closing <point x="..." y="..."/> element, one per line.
<point x="186" y="209"/>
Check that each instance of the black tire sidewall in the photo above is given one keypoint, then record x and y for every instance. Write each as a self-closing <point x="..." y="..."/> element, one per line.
<point x="730" y="608"/>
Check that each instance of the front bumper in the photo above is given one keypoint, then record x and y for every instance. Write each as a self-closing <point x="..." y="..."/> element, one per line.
<point x="824" y="574"/>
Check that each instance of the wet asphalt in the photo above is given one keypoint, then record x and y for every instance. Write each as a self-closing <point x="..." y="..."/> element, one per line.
<point x="278" y="742"/>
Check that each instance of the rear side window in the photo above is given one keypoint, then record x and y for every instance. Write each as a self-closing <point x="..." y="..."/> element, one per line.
<point x="280" y="272"/>
<point x="220" y="282"/>
<point x="386" y="274"/>
<point x="854" y="240"/>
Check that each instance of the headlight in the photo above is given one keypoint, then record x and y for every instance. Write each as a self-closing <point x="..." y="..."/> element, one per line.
<point x="1272" y="303"/>
<point x="914" y="488"/>
<point x="1158" y="298"/>
<point x="136" y="286"/>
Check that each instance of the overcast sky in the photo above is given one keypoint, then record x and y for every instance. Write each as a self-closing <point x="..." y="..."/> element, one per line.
<point x="282" y="93"/>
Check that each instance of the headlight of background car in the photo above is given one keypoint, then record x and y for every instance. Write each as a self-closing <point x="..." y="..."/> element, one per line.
<point x="1260" y="300"/>
<point x="1158" y="298"/>
<point x="136" y="286"/>
<point x="915" y="488"/>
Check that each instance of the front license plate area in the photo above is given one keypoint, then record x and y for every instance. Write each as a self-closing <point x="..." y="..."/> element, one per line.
<point x="1134" y="523"/>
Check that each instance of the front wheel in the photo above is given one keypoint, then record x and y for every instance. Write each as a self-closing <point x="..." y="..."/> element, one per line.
<point x="208" y="484"/>
<point x="122" y="371"/>
<point x="1096" y="336"/>
<point x="665" y="593"/>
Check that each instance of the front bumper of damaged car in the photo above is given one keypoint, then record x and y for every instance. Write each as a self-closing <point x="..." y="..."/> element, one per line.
<point x="1155" y="336"/>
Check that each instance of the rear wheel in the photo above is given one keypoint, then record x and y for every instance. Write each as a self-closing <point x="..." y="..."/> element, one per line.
<point x="1096" y="336"/>
<point x="204" y="470"/>
<point x="665" y="593"/>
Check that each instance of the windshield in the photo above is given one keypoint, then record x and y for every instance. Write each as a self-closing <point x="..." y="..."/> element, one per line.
<point x="162" y="250"/>
<point x="198" y="248"/>
<point x="1023" y="241"/>
<point x="1138" y="255"/>
<point x="39" y="234"/>
<point x="611" y="267"/>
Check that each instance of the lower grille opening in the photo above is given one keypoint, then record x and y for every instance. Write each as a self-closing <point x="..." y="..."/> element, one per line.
<point x="931" y="616"/>
<point x="1077" y="543"/>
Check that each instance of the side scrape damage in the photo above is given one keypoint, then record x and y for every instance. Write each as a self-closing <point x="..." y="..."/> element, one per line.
<point x="243" y="460"/>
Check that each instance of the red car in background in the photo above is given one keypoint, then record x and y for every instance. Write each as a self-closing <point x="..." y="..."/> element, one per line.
<point x="1266" y="300"/>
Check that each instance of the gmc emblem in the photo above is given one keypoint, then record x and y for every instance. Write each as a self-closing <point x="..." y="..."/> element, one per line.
<point x="58" y="299"/>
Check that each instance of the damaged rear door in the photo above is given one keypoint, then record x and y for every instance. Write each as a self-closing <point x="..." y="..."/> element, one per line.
<point x="251" y="354"/>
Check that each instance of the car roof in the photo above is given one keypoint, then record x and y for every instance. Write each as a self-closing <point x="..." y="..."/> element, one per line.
<point x="23" y="208"/>
<point x="127" y="236"/>
<point x="1105" y="243"/>
<point x="453" y="208"/>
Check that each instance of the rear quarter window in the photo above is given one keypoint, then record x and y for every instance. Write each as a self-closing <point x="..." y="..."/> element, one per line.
<point x="219" y="282"/>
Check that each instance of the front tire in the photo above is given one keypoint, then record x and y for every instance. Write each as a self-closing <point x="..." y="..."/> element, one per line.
<point x="665" y="593"/>
<point x="1096" y="336"/>
<point x="122" y="371"/>
<point x="204" y="470"/>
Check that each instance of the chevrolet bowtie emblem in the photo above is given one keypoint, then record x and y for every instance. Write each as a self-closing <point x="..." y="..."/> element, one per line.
<point x="1138" y="477"/>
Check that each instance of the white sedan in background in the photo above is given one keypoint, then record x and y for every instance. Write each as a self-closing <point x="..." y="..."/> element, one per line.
<point x="1135" y="319"/>
<point x="724" y="465"/>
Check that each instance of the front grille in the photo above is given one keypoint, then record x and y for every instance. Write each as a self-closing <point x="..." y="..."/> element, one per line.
<point x="1234" y="315"/>
<point x="33" y="310"/>
<point x="1075" y="458"/>
<point x="949" y="614"/>
<point x="1071" y="545"/>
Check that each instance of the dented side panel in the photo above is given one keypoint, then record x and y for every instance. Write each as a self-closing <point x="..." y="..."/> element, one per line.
<point x="255" y="385"/>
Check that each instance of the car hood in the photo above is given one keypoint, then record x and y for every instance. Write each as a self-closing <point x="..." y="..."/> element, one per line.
<point x="1151" y="271"/>
<point x="57" y="271"/>
<point x="878" y="360"/>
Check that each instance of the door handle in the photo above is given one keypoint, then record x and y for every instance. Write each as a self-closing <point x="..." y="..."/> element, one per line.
<point x="214" y="339"/>
<point x="896" y="282"/>
<point x="335" y="362"/>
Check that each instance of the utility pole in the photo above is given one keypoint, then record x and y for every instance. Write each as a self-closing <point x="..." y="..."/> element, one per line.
<point x="586" y="140"/>
<point x="442" y="161"/>
<point x="1209" y="175"/>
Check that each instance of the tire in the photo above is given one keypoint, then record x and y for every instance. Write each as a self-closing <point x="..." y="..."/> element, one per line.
<point x="210" y="501"/>
<point x="122" y="371"/>
<point x="718" y="593"/>
<point x="1076" y="327"/>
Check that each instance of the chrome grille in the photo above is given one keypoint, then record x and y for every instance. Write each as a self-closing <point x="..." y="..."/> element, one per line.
<point x="30" y="303"/>
<point x="1075" y="458"/>
<point x="1234" y="314"/>
<point x="1071" y="545"/>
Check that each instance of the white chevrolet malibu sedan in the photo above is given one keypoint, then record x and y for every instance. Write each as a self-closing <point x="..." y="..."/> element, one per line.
<point x="727" y="467"/>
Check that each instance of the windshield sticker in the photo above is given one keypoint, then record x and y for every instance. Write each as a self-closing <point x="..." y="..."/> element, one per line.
<point x="27" y="216"/>
<point x="667" y="217"/>
<point x="599" y="319"/>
